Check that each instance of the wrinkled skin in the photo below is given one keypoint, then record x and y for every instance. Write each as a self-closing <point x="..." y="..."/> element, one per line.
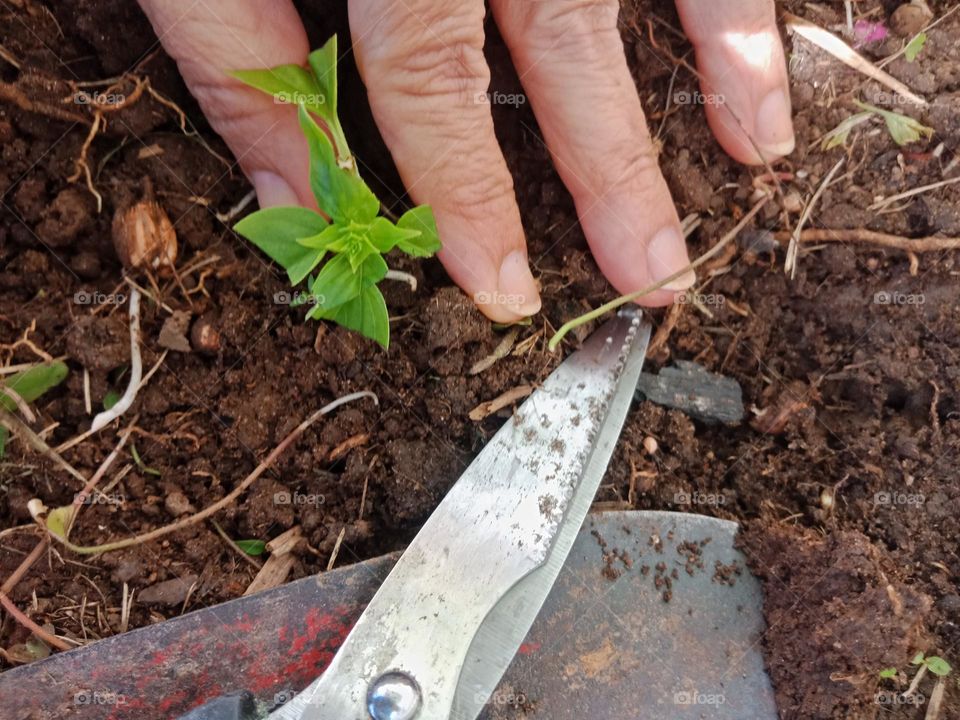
<point x="423" y="66"/>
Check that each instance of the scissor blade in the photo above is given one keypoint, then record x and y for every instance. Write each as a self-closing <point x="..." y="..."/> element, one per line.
<point x="500" y="536"/>
<point x="505" y="627"/>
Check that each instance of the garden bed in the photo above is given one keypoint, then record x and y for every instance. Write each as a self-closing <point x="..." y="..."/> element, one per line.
<point x="850" y="502"/>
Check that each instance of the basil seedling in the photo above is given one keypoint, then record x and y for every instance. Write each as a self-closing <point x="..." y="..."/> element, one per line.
<point x="350" y="235"/>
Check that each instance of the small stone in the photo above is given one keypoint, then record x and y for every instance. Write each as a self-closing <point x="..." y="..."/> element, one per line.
<point x="168" y="592"/>
<point x="173" y="334"/>
<point x="650" y="445"/>
<point x="204" y="337"/>
<point x="910" y="18"/>
<point x="178" y="504"/>
<point x="792" y="202"/>
<point x="691" y="388"/>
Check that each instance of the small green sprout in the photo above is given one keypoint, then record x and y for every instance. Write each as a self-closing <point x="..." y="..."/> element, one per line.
<point x="111" y="398"/>
<point x="933" y="663"/>
<point x="353" y="233"/>
<point x="902" y="128"/>
<point x="888" y="673"/>
<point x="140" y="464"/>
<point x="914" y="47"/>
<point x="252" y="547"/>
<point x="29" y="384"/>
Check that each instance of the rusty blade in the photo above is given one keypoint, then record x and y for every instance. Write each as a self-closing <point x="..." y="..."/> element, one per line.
<point x="457" y="605"/>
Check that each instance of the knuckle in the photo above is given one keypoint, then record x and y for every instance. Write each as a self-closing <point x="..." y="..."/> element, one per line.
<point x="486" y="193"/>
<point x="632" y="167"/>
<point x="443" y="59"/>
<point x="571" y="23"/>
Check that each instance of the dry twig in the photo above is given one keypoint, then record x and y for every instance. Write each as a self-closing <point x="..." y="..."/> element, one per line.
<point x="227" y="499"/>
<point x="830" y="43"/>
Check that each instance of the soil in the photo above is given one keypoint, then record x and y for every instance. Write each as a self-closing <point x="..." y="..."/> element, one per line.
<point x="850" y="501"/>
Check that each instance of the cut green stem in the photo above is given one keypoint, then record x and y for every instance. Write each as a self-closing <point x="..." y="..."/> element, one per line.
<point x="630" y="297"/>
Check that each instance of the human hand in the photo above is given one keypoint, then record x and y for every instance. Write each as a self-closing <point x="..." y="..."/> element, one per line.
<point x="422" y="62"/>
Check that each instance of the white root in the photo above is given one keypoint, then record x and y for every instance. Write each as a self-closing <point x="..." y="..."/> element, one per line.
<point x="402" y="277"/>
<point x="136" y="369"/>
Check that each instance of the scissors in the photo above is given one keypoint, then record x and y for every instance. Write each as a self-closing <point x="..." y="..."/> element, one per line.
<point x="435" y="640"/>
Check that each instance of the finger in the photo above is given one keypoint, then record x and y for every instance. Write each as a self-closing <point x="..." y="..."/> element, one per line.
<point x="422" y="62"/>
<point x="744" y="75"/>
<point x="210" y="38"/>
<point x="571" y="62"/>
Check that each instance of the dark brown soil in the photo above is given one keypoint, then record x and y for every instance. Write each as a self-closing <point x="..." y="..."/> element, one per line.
<point x="869" y="390"/>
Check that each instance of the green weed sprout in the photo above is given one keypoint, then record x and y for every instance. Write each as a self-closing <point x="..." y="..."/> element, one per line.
<point x="350" y="233"/>
<point x="933" y="663"/>
<point x="29" y="385"/>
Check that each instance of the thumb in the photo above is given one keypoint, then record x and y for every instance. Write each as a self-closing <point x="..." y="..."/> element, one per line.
<point x="213" y="37"/>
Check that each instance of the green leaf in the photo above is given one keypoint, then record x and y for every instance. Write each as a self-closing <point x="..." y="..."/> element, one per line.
<point x="937" y="665"/>
<point x="338" y="283"/>
<point x="323" y="63"/>
<point x="384" y="235"/>
<point x="914" y="47"/>
<point x="110" y="399"/>
<point x="322" y="240"/>
<point x="58" y="520"/>
<point x="888" y="673"/>
<point x="902" y="129"/>
<point x="29" y="384"/>
<point x="428" y="242"/>
<point x="252" y="547"/>
<point x="33" y="382"/>
<point x="917" y="659"/>
<point x="290" y="84"/>
<point x="340" y="194"/>
<point x="276" y="231"/>
<point x="839" y="135"/>
<point x="366" y="313"/>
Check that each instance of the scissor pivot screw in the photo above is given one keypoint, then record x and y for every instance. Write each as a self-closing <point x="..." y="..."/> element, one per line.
<point x="393" y="696"/>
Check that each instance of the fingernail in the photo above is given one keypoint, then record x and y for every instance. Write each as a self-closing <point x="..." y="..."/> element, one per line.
<point x="272" y="190"/>
<point x="773" y="126"/>
<point x="517" y="289"/>
<point x="667" y="254"/>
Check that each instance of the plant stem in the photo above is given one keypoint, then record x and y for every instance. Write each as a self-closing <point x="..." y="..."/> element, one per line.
<point x="630" y="297"/>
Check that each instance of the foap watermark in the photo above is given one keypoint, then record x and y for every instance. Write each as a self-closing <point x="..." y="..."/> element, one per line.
<point x="694" y="697"/>
<point x="98" y="697"/>
<point x="698" y="498"/>
<point x="98" y="498"/>
<point x="285" y="97"/>
<point x="297" y="297"/>
<point x="503" y="698"/>
<point x="499" y="98"/>
<point x="498" y="298"/>
<point x="895" y="497"/>
<point x="86" y="297"/>
<point x="895" y="297"/>
<point x="99" y="99"/>
<point x="889" y="697"/>
<point x="703" y="299"/>
<point x="695" y="97"/>
<point x="285" y="497"/>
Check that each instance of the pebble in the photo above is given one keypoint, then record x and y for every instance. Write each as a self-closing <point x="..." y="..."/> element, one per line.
<point x="168" y="592"/>
<point x="178" y="504"/>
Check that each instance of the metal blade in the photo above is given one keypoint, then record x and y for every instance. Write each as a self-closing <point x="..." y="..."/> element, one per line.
<point x="500" y="535"/>
<point x="501" y="633"/>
